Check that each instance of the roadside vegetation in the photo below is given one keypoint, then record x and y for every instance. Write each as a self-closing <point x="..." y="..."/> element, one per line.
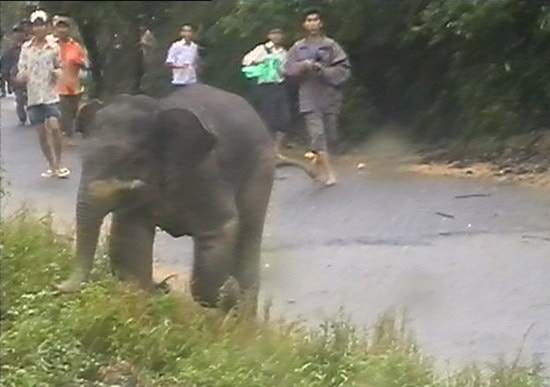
<point x="111" y="334"/>
<point x="446" y="69"/>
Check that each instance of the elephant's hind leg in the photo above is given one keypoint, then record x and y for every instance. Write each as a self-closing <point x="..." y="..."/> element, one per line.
<point x="131" y="248"/>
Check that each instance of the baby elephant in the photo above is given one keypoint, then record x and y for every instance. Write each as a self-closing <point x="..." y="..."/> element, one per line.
<point x="199" y="162"/>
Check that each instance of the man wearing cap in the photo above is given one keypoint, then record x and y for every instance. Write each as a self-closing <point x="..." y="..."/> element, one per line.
<point x="8" y="68"/>
<point x="38" y="69"/>
<point x="69" y="87"/>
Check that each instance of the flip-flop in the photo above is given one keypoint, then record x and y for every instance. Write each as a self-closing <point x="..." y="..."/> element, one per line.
<point x="48" y="173"/>
<point x="63" y="173"/>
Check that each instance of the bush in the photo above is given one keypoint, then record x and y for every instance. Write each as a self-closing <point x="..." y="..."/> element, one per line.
<point x="111" y="333"/>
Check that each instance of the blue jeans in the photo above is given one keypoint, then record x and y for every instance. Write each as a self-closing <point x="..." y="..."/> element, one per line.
<point x="39" y="113"/>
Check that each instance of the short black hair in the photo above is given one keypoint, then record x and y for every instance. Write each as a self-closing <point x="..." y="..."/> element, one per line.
<point x="276" y="30"/>
<point x="62" y="22"/>
<point x="312" y="11"/>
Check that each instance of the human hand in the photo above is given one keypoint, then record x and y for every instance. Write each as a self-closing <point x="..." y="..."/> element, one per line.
<point x="21" y="79"/>
<point x="55" y="75"/>
<point x="310" y="66"/>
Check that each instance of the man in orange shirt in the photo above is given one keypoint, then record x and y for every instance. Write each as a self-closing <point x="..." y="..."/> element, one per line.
<point x="73" y="59"/>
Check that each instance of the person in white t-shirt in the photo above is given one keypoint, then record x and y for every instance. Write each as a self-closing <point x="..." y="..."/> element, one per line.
<point x="183" y="58"/>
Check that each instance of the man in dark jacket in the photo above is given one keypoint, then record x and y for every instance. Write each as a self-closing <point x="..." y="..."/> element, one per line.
<point x="8" y="67"/>
<point x="320" y="66"/>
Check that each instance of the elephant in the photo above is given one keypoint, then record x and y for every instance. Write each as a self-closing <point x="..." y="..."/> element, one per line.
<point x="199" y="162"/>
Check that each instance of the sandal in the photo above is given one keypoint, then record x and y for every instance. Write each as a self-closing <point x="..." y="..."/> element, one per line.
<point x="63" y="173"/>
<point x="48" y="173"/>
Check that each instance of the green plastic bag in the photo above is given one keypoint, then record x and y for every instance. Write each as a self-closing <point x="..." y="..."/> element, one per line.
<point x="265" y="72"/>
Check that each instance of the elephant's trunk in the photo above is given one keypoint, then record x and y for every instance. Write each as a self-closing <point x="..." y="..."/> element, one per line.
<point x="90" y="212"/>
<point x="96" y="198"/>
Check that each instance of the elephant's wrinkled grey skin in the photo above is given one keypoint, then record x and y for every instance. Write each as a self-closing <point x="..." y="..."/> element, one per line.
<point x="199" y="162"/>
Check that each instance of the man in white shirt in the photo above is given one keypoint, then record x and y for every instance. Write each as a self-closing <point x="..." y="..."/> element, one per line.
<point x="183" y="58"/>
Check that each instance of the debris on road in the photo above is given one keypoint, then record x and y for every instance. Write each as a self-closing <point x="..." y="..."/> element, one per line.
<point x="445" y="215"/>
<point x="475" y="195"/>
<point x="540" y="238"/>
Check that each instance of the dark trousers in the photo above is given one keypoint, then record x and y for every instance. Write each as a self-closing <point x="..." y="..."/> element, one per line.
<point x="21" y="102"/>
<point x="68" y="105"/>
<point x="271" y="102"/>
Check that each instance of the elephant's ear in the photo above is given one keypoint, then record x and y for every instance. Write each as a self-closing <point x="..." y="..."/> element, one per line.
<point x="185" y="127"/>
<point x="86" y="115"/>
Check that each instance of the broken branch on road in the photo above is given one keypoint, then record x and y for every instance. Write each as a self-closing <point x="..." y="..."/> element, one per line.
<point x="475" y="195"/>
<point x="445" y="215"/>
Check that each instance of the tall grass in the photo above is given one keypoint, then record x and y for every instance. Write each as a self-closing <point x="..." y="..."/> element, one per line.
<point x="113" y="334"/>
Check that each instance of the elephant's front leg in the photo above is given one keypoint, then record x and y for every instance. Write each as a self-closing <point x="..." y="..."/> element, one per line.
<point x="252" y="205"/>
<point x="214" y="257"/>
<point x="131" y="248"/>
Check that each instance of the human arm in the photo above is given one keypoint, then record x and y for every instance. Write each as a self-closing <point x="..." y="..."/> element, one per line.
<point x="293" y="66"/>
<point x="338" y="70"/>
<point x="255" y="56"/>
<point x="22" y="66"/>
<point x="171" y="58"/>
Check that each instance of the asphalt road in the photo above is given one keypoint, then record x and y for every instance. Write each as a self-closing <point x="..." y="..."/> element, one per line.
<point x="473" y="280"/>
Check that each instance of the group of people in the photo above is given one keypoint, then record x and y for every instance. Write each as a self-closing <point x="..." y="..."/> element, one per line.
<point x="320" y="67"/>
<point x="317" y="63"/>
<point x="43" y="67"/>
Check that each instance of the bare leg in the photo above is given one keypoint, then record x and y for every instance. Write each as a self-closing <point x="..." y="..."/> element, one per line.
<point x="315" y="125"/>
<point x="46" y="147"/>
<point x="52" y="125"/>
<point x="325" y="162"/>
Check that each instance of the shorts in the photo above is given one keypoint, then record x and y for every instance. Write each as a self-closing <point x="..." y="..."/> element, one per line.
<point x="39" y="113"/>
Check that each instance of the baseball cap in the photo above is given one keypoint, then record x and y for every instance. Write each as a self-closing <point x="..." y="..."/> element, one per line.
<point x="38" y="16"/>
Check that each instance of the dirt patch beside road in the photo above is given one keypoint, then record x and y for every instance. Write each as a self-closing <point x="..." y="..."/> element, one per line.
<point x="523" y="158"/>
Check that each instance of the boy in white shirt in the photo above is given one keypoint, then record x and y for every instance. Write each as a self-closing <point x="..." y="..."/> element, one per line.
<point x="183" y="58"/>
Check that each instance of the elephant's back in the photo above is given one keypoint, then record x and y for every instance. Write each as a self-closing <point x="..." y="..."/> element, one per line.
<point x="243" y="139"/>
<point x="221" y="112"/>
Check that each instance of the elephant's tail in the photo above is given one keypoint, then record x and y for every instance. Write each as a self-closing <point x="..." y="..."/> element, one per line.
<point x="283" y="161"/>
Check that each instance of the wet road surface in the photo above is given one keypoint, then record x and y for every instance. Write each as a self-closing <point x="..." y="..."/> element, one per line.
<point x="471" y="273"/>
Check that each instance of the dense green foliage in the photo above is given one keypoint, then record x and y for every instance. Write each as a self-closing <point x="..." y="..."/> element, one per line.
<point x="111" y="334"/>
<point x="445" y="68"/>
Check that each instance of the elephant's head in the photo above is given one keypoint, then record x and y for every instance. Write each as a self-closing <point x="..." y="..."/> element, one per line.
<point x="123" y="162"/>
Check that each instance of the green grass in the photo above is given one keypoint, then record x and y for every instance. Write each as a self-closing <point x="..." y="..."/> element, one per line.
<point x="112" y="334"/>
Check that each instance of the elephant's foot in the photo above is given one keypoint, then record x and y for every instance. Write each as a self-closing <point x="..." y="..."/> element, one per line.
<point x="229" y="295"/>
<point x="71" y="285"/>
